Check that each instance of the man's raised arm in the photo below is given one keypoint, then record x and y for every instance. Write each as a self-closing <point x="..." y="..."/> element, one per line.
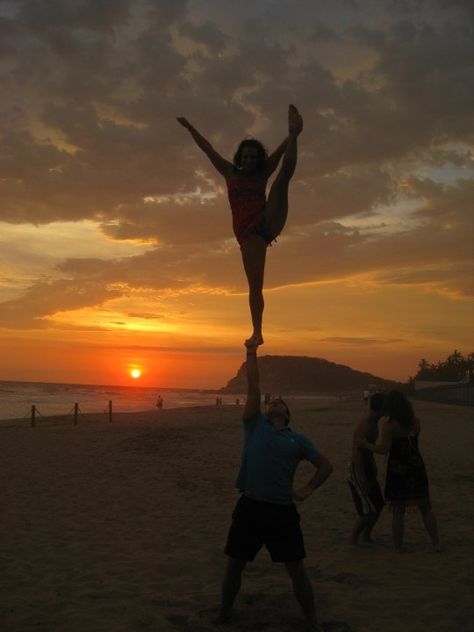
<point x="252" y="405"/>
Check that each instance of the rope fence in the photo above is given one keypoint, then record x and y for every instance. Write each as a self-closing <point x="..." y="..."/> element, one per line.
<point x="34" y="414"/>
<point x="75" y="412"/>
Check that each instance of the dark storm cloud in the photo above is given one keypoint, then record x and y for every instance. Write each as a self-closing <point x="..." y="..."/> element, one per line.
<point x="88" y="131"/>
<point x="94" y="15"/>
<point x="213" y="39"/>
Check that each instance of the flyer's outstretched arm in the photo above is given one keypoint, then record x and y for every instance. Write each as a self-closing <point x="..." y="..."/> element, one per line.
<point x="223" y="166"/>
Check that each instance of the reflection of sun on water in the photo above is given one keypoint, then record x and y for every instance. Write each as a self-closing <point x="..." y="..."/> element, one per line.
<point x="135" y="373"/>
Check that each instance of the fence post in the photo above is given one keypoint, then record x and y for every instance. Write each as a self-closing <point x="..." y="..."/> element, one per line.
<point x="110" y="411"/>
<point x="76" y="410"/>
<point x="33" y="416"/>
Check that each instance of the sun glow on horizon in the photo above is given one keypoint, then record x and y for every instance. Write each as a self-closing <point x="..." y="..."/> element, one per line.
<point x="135" y="373"/>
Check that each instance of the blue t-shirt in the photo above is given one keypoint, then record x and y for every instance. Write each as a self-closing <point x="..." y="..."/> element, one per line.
<point x="270" y="457"/>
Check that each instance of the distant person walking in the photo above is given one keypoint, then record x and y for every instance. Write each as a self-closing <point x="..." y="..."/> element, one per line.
<point x="257" y="220"/>
<point x="363" y="483"/>
<point x="406" y="482"/>
<point x="265" y="513"/>
<point x="159" y="402"/>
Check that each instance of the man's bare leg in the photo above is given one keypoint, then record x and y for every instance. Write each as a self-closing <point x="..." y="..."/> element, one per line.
<point x="303" y="592"/>
<point x="230" y="588"/>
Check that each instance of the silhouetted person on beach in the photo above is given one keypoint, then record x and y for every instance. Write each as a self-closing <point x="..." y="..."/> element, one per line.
<point x="363" y="483"/>
<point x="265" y="513"/>
<point x="406" y="482"/>
<point x="257" y="220"/>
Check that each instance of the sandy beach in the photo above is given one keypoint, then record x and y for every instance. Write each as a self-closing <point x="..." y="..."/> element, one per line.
<point x="120" y="527"/>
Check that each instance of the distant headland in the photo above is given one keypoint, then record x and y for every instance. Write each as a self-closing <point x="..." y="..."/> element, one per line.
<point x="302" y="374"/>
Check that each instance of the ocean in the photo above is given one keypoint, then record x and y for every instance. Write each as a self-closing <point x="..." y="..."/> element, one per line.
<point x="17" y="398"/>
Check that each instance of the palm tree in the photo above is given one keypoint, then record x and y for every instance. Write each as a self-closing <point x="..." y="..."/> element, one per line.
<point x="424" y="369"/>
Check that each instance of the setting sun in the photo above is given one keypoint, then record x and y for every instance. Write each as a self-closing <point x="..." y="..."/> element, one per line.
<point x="135" y="373"/>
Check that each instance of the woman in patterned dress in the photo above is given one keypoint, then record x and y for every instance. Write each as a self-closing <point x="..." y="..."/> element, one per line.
<point x="406" y="481"/>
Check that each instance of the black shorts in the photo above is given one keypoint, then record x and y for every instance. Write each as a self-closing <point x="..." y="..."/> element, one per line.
<point x="256" y="523"/>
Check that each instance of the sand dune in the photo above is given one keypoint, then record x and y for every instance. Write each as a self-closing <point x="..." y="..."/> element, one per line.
<point x="120" y="527"/>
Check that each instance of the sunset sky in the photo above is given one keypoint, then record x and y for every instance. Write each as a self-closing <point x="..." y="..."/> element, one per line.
<point x="116" y="242"/>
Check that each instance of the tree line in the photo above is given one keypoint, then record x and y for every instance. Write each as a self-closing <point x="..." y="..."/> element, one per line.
<point x="455" y="368"/>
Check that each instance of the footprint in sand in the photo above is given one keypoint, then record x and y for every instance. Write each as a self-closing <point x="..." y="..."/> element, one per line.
<point x="325" y="626"/>
<point x="346" y="578"/>
<point x="335" y="626"/>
